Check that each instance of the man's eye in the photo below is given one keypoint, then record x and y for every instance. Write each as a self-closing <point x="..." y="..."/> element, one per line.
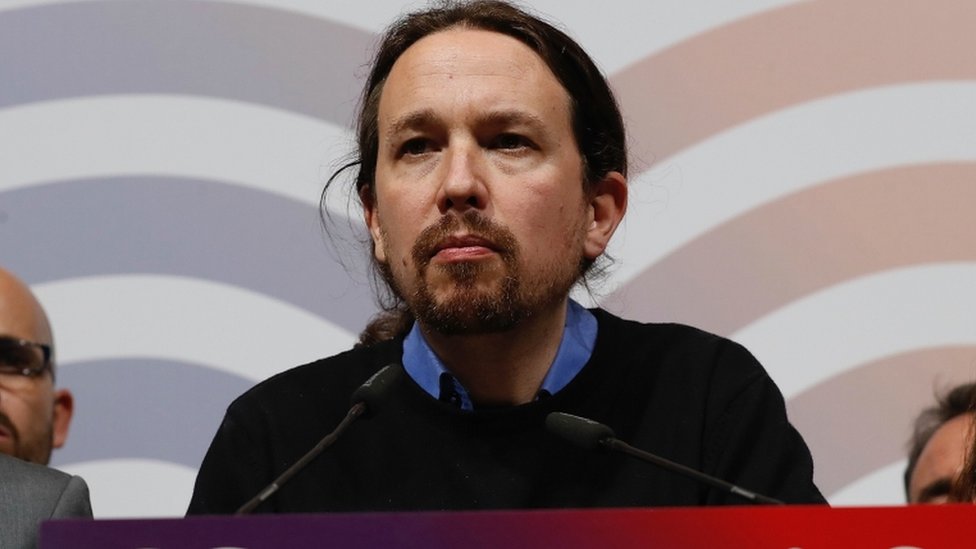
<point x="415" y="147"/>
<point x="511" y="141"/>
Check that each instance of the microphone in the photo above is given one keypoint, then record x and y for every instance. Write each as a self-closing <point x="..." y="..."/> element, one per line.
<point x="591" y="434"/>
<point x="366" y="400"/>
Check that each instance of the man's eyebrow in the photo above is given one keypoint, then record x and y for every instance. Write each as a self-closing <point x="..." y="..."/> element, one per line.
<point x="937" y="488"/>
<point x="426" y="117"/>
<point x="511" y="117"/>
<point x="416" y="119"/>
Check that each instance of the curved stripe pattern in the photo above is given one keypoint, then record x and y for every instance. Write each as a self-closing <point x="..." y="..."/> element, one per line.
<point x="184" y="227"/>
<point x="872" y="408"/>
<point x="864" y="319"/>
<point x="144" y="408"/>
<point x="232" y="51"/>
<point x="788" y="151"/>
<point x="201" y="322"/>
<point x="177" y="135"/>
<point x="787" y="56"/>
<point x="743" y="269"/>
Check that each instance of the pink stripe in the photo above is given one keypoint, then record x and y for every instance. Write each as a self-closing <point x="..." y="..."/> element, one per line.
<point x="760" y="261"/>
<point x="861" y="420"/>
<point x="788" y="56"/>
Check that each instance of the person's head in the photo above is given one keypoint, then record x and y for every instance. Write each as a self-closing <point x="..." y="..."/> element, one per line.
<point x="34" y="416"/>
<point x="491" y="164"/>
<point x="939" y="446"/>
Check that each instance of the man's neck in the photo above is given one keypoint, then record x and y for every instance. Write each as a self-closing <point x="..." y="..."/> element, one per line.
<point x="504" y="368"/>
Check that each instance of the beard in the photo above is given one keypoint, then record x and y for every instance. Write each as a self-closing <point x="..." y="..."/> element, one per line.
<point x="476" y="297"/>
<point x="36" y="451"/>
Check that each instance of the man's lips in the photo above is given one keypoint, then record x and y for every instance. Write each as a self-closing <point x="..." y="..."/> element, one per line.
<point x="468" y="237"/>
<point x="463" y="247"/>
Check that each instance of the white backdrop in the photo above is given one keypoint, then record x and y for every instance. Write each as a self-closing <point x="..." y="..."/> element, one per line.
<point x="803" y="180"/>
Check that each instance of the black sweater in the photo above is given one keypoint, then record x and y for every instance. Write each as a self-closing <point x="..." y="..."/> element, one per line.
<point x="686" y="395"/>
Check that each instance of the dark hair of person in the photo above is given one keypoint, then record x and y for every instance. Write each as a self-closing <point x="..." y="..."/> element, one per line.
<point x="596" y="120"/>
<point x="963" y="488"/>
<point x="956" y="402"/>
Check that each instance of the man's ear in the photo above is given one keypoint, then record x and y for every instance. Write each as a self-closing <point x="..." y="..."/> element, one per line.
<point x="608" y="203"/>
<point x="64" y="407"/>
<point x="370" y="215"/>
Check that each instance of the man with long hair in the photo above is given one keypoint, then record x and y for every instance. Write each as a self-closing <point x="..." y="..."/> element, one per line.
<point x="491" y="167"/>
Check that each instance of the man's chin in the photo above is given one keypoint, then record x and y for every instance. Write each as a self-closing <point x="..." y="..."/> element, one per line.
<point x="466" y="275"/>
<point x="447" y="325"/>
<point x="453" y="294"/>
<point x="34" y="453"/>
<point x="469" y="313"/>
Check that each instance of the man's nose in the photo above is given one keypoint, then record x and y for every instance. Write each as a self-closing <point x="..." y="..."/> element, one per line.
<point x="463" y="186"/>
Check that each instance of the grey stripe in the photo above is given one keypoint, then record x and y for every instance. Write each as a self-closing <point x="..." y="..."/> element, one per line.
<point x="246" y="53"/>
<point x="172" y="226"/>
<point x="144" y="408"/>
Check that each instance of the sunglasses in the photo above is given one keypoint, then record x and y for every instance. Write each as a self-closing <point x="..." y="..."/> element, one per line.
<point x="23" y="358"/>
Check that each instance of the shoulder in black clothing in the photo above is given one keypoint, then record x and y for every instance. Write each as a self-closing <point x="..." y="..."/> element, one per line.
<point x="682" y="393"/>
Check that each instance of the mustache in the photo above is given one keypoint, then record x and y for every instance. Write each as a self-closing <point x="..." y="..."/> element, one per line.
<point x="475" y="224"/>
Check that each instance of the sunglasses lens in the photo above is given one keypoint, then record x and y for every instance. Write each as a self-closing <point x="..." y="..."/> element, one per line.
<point x="16" y="357"/>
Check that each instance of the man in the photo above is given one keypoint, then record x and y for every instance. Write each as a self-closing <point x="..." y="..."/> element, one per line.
<point x="34" y="418"/>
<point x="939" y="446"/>
<point x="492" y="172"/>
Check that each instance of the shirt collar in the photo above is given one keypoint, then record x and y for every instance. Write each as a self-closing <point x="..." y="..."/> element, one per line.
<point x="575" y="348"/>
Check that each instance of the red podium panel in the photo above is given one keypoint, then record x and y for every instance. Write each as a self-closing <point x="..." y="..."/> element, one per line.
<point x="805" y="527"/>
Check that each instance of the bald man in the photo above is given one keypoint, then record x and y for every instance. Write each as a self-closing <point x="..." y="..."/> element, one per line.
<point x="34" y="418"/>
<point x="34" y="415"/>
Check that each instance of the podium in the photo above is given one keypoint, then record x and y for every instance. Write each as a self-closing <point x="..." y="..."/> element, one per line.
<point x="801" y="527"/>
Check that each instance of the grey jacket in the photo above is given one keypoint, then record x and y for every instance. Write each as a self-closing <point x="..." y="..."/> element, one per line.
<point x="31" y="493"/>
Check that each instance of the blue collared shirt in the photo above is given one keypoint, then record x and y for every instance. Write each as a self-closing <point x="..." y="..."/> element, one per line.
<point x="579" y="336"/>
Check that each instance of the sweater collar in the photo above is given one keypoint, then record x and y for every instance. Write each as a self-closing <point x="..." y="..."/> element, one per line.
<point x="575" y="348"/>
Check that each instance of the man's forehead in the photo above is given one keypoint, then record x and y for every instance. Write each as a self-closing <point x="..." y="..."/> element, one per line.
<point x="455" y="52"/>
<point x="944" y="454"/>
<point x="450" y="46"/>
<point x="496" y="77"/>
<point x="21" y="315"/>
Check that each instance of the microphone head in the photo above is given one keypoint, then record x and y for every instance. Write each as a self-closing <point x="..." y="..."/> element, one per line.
<point x="374" y="390"/>
<point x="578" y="430"/>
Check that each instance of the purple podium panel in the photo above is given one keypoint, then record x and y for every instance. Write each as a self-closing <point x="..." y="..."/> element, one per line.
<point x="800" y="527"/>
